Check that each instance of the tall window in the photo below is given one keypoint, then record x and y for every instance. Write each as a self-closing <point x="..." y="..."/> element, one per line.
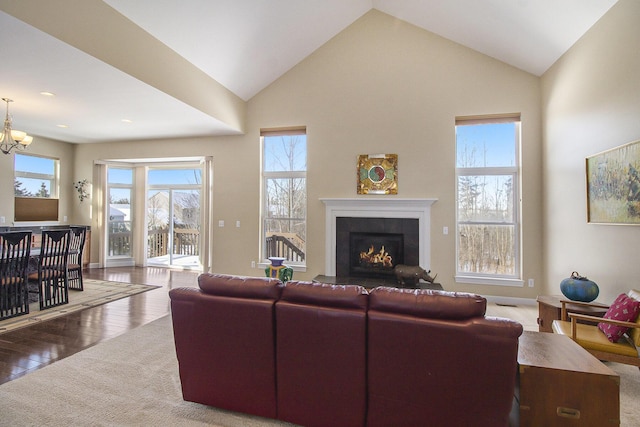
<point x="487" y="182"/>
<point x="284" y="194"/>
<point x="120" y="221"/>
<point x="36" y="176"/>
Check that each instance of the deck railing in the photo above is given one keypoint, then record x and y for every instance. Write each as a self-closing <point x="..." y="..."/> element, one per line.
<point x="185" y="242"/>
<point x="281" y="246"/>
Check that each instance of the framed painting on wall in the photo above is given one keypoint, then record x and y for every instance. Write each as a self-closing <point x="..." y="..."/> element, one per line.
<point x="613" y="185"/>
<point x="377" y="174"/>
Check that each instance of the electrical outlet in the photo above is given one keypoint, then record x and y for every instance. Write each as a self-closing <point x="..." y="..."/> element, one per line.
<point x="221" y="223"/>
<point x="238" y="224"/>
<point x="445" y="230"/>
<point x="253" y="264"/>
<point x="531" y="283"/>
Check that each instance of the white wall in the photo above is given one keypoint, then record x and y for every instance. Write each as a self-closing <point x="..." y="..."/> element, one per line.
<point x="591" y="103"/>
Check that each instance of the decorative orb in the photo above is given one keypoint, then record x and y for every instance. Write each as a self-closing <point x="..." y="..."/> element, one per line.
<point x="579" y="288"/>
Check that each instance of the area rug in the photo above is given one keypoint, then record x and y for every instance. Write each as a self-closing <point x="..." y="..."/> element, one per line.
<point x="129" y="380"/>
<point x="95" y="292"/>
<point x="133" y="380"/>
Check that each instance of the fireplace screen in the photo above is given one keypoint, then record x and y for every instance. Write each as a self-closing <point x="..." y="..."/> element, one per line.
<point x="375" y="254"/>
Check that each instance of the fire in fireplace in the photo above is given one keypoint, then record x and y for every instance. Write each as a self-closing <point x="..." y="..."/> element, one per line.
<point x="374" y="254"/>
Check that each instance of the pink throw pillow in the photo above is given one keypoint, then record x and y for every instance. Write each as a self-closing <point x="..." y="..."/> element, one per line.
<point x="623" y="308"/>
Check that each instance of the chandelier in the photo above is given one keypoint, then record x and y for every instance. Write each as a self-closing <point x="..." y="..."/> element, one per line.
<point x="12" y="139"/>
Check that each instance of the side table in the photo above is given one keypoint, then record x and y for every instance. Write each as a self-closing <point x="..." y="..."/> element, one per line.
<point x="549" y="309"/>
<point x="562" y="384"/>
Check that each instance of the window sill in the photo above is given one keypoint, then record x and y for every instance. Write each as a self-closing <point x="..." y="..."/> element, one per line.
<point x="479" y="280"/>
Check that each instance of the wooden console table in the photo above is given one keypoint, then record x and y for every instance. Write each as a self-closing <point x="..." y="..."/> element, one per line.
<point x="561" y="384"/>
<point x="549" y="309"/>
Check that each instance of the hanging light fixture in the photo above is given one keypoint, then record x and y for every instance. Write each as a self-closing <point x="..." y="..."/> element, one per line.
<point x="12" y="139"/>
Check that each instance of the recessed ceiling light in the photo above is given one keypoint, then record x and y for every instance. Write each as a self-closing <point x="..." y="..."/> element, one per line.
<point x="127" y="121"/>
<point x="63" y="126"/>
<point x="47" y="93"/>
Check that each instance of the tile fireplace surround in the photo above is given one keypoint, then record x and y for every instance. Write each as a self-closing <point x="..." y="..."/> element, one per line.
<point x="370" y="207"/>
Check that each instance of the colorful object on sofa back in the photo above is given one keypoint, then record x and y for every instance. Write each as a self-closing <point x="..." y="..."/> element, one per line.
<point x="277" y="270"/>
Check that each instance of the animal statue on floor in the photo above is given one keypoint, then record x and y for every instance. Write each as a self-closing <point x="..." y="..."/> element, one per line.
<point x="411" y="274"/>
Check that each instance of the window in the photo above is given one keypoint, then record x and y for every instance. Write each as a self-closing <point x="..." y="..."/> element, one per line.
<point x="36" y="176"/>
<point x="120" y="221"/>
<point x="284" y="194"/>
<point x="35" y="187"/>
<point x="487" y="205"/>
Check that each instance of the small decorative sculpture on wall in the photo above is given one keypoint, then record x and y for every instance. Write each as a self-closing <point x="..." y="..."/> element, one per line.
<point x="411" y="274"/>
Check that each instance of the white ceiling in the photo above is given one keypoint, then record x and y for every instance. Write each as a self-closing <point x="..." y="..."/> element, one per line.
<point x="244" y="45"/>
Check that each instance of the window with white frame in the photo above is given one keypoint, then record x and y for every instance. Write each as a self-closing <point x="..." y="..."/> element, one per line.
<point x="36" y="176"/>
<point x="487" y="200"/>
<point x="284" y="194"/>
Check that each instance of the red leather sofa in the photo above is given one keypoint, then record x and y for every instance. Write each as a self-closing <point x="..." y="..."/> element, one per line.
<point x="329" y="355"/>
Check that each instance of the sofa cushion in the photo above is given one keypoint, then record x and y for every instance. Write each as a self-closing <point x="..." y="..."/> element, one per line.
<point x="240" y="287"/>
<point x="624" y="309"/>
<point x="323" y="294"/>
<point x="428" y="303"/>
<point x="321" y="354"/>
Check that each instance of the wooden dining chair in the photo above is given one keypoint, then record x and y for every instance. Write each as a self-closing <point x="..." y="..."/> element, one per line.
<point x="14" y="260"/>
<point x="74" y="264"/>
<point x="51" y="279"/>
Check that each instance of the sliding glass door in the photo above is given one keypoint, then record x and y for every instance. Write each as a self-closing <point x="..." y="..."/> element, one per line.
<point x="173" y="217"/>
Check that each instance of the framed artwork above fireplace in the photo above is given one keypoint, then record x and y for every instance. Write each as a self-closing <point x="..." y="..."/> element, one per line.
<point x="377" y="174"/>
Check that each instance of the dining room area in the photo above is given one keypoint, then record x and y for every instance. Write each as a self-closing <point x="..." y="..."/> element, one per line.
<point x="39" y="265"/>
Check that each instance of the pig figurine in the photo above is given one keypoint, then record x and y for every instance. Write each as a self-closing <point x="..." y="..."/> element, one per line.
<point x="411" y="274"/>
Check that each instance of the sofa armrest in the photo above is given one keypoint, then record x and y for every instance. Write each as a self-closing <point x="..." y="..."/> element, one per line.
<point x="575" y="317"/>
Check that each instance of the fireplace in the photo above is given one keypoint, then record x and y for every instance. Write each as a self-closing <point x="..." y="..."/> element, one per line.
<point x="372" y="247"/>
<point x="402" y="224"/>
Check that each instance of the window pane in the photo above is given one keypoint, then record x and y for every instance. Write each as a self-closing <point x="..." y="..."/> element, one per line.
<point x="487" y="198"/>
<point x="174" y="176"/>
<point x="120" y="176"/>
<point x="35" y="164"/>
<point x="286" y="197"/>
<point x="486" y="249"/>
<point x="29" y="187"/>
<point x="119" y="221"/>
<point x="35" y="176"/>
<point x="485" y="145"/>
<point x="285" y="153"/>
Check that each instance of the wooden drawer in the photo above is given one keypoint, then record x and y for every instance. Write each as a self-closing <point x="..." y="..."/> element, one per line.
<point x="561" y="384"/>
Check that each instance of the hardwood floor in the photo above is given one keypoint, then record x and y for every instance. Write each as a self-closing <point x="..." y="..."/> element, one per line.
<point x="31" y="348"/>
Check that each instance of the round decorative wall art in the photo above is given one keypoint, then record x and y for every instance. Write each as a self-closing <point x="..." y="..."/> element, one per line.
<point x="378" y="174"/>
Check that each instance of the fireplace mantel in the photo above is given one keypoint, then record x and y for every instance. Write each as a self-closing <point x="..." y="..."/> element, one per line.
<point x="373" y="207"/>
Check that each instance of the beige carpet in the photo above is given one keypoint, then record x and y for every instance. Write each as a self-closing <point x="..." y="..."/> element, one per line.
<point x="130" y="380"/>
<point x="133" y="380"/>
<point x="95" y="292"/>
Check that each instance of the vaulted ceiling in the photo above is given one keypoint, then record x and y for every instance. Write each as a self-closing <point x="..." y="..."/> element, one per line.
<point x="143" y="69"/>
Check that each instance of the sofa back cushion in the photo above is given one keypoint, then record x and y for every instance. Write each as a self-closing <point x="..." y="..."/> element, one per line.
<point x="434" y="356"/>
<point x="225" y="343"/>
<point x="426" y="303"/>
<point x="239" y="286"/>
<point x="321" y="362"/>
<point x="635" y="332"/>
